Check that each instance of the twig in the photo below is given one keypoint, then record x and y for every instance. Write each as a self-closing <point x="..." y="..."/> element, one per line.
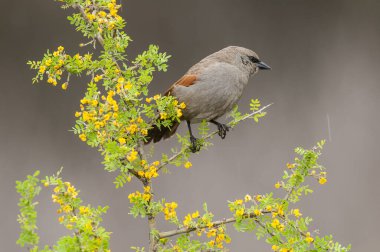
<point x="212" y="134"/>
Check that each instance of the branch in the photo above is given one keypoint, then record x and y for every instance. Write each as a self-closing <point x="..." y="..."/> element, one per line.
<point x="214" y="224"/>
<point x="212" y="134"/>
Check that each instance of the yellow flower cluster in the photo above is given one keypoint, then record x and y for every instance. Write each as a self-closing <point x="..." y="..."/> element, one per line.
<point x="132" y="156"/>
<point x="220" y="237"/>
<point x="64" y="194"/>
<point x="297" y="213"/>
<point x="189" y="218"/>
<point x="84" y="210"/>
<point x="136" y="196"/>
<point x="104" y="19"/>
<point x="276" y="224"/>
<point x="149" y="171"/>
<point x="54" y="69"/>
<point x="169" y="210"/>
<point x="308" y="238"/>
<point x="188" y="164"/>
<point x="322" y="178"/>
<point x="279" y="211"/>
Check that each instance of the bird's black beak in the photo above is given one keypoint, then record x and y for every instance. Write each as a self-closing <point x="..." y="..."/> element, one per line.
<point x="263" y="66"/>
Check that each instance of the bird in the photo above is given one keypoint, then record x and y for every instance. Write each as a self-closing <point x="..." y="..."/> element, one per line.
<point x="210" y="89"/>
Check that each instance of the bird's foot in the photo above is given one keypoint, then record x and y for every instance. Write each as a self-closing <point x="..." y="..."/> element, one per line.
<point x="222" y="130"/>
<point x="194" y="147"/>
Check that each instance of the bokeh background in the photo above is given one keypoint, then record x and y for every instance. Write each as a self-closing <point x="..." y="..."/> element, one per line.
<point x="325" y="57"/>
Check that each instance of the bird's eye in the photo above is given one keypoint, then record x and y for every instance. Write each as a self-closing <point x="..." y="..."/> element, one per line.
<point x="254" y="59"/>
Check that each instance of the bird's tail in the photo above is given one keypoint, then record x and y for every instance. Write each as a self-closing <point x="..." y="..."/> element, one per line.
<point x="155" y="134"/>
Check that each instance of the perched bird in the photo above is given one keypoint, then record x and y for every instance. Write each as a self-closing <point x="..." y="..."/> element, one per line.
<point x="210" y="89"/>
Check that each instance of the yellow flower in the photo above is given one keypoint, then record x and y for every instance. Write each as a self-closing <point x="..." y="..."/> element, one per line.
<point x="322" y="180"/>
<point x="308" y="238"/>
<point x="78" y="114"/>
<point x="98" y="78"/>
<point x="113" y="12"/>
<point x="146" y="196"/>
<point x="90" y="17"/>
<point x="297" y="213"/>
<point x="132" y="128"/>
<point x="268" y="208"/>
<point x="60" y="48"/>
<point x="290" y="166"/>
<point x="128" y="86"/>
<point x="48" y="62"/>
<point x="55" y="54"/>
<point x="179" y="113"/>
<point x="257" y="212"/>
<point x="71" y="190"/>
<point x="64" y="85"/>
<point x="182" y="105"/>
<point x="148" y="100"/>
<point x="275" y="248"/>
<point x="84" y="210"/>
<point x="50" y="80"/>
<point x="195" y="214"/>
<point x="239" y="212"/>
<point x="132" y="156"/>
<point x="280" y="210"/>
<point x="188" y="164"/>
<point x="163" y="115"/>
<point x="156" y="163"/>
<point x="275" y="223"/>
<point x="211" y="232"/>
<point x="247" y="198"/>
<point x="66" y="208"/>
<point x="42" y="69"/>
<point x="83" y="137"/>
<point x="141" y="173"/>
<point x="259" y="197"/>
<point x="122" y="140"/>
<point x="61" y="219"/>
<point x="238" y="202"/>
<point x="146" y="189"/>
<point x="156" y="97"/>
<point x="88" y="226"/>
<point x="102" y="14"/>
<point x="277" y="185"/>
<point x="111" y="25"/>
<point x="187" y="220"/>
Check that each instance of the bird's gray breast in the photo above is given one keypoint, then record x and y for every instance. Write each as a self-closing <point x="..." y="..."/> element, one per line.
<point x="216" y="90"/>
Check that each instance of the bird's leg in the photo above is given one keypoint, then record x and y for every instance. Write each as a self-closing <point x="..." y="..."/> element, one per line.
<point x="194" y="147"/>
<point x="222" y="128"/>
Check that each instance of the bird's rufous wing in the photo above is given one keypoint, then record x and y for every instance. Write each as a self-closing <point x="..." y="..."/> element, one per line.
<point x="186" y="81"/>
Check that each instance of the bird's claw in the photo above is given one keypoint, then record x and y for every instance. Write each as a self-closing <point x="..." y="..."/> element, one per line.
<point x="194" y="147"/>
<point x="222" y="130"/>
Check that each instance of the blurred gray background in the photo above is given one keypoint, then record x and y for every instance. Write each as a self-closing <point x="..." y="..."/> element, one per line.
<point x="325" y="57"/>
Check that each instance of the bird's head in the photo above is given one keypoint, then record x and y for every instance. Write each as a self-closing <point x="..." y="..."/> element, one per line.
<point x="245" y="59"/>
